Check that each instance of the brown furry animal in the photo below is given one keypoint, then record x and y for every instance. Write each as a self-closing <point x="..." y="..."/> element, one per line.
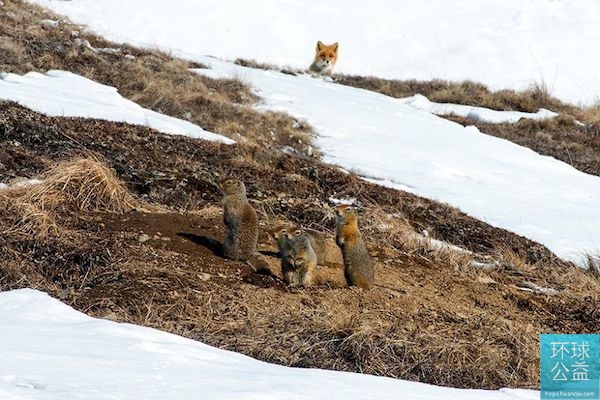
<point x="358" y="266"/>
<point x="299" y="264"/>
<point x="241" y="221"/>
<point x="280" y="236"/>
<point x="325" y="58"/>
<point x="317" y="240"/>
<point x="318" y="243"/>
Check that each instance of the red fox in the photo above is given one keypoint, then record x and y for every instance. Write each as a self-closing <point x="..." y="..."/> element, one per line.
<point x="325" y="58"/>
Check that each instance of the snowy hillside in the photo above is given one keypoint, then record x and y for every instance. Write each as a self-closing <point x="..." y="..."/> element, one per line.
<point x="398" y="145"/>
<point x="52" y="352"/>
<point x="49" y="351"/>
<point x="386" y="139"/>
<point x="502" y="43"/>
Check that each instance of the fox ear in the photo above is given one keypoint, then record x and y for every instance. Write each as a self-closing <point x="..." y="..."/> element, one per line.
<point x="335" y="46"/>
<point x="319" y="45"/>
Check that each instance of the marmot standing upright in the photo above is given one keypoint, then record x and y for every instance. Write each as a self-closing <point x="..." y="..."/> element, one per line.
<point x="240" y="219"/>
<point x="358" y="266"/>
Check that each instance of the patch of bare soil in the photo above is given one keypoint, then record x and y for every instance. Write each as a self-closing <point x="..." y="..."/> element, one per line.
<point x="158" y="262"/>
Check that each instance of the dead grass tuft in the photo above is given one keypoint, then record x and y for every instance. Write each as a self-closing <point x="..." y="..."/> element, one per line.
<point x="268" y="67"/>
<point x="24" y="219"/>
<point x="385" y="227"/>
<point x="593" y="266"/>
<point x="80" y="184"/>
<point x="393" y="230"/>
<point x="41" y="243"/>
<point x="83" y="183"/>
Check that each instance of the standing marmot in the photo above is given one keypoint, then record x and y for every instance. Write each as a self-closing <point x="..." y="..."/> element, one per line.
<point x="240" y="219"/>
<point x="358" y="266"/>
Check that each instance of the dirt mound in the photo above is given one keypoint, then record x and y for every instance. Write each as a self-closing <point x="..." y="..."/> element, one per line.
<point x="433" y="318"/>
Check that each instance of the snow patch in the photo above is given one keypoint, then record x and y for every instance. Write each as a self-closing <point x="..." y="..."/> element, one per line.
<point x="475" y="113"/>
<point x="504" y="44"/>
<point x="64" y="94"/>
<point x="52" y="352"/>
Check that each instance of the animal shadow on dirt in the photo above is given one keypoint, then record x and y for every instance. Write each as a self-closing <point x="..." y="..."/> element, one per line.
<point x="212" y="244"/>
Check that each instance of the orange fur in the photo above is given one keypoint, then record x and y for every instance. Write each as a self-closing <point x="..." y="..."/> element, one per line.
<point x="325" y="58"/>
<point x="358" y="266"/>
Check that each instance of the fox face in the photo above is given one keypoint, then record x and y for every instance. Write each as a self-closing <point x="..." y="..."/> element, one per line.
<point x="325" y="57"/>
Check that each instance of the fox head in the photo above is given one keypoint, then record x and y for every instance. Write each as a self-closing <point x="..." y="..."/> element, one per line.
<point x="326" y="55"/>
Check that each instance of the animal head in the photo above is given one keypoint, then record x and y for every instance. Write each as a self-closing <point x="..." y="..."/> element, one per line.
<point x="295" y="233"/>
<point x="299" y="242"/>
<point x="326" y="55"/>
<point x="232" y="186"/>
<point x="344" y="214"/>
<point x="280" y="235"/>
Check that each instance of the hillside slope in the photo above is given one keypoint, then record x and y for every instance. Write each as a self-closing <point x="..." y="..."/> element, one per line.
<point x="504" y="44"/>
<point x="164" y="269"/>
<point x="460" y="302"/>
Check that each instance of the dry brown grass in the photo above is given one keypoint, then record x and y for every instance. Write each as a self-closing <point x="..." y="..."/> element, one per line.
<point x="393" y="230"/>
<point x="24" y="219"/>
<point x="431" y="318"/>
<point x="466" y="92"/>
<point x="80" y="184"/>
<point x="40" y="242"/>
<point x="260" y="65"/>
<point x="593" y="265"/>
<point x="150" y="77"/>
<point x="581" y="282"/>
